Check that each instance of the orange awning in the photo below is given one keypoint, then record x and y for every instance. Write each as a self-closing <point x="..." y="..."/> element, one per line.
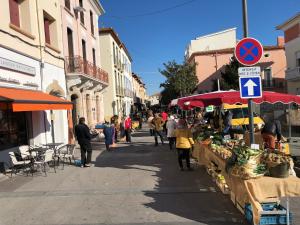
<point x="29" y="100"/>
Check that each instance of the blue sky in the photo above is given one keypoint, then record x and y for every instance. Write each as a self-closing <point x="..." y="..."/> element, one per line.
<point x="162" y="37"/>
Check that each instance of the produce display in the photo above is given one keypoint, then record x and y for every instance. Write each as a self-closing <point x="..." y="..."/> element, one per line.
<point x="241" y="160"/>
<point x="244" y="153"/>
<point x="222" y="151"/>
<point x="275" y="158"/>
<point x="202" y="133"/>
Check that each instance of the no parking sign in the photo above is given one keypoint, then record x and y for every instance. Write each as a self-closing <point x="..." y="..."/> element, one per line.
<point x="248" y="51"/>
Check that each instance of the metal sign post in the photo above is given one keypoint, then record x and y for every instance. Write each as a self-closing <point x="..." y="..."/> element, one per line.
<point x="248" y="52"/>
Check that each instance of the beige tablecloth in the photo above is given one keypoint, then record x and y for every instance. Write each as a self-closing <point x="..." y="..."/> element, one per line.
<point x="251" y="191"/>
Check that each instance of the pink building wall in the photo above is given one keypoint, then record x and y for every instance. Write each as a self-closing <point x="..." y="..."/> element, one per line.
<point x="211" y="63"/>
<point x="80" y="31"/>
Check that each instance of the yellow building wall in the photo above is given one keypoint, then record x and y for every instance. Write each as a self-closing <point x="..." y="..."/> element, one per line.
<point x="31" y="30"/>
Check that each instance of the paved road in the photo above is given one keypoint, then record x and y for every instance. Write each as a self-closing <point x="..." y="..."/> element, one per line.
<point x="136" y="184"/>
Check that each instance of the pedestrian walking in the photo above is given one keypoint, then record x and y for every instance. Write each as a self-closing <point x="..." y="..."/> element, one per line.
<point x="84" y="137"/>
<point x="122" y="129"/>
<point x="108" y="132"/>
<point x="158" y="127"/>
<point x="164" y="117"/>
<point x="128" y="126"/>
<point x="149" y="121"/>
<point x="115" y="122"/>
<point x="171" y="126"/>
<point x="184" y="142"/>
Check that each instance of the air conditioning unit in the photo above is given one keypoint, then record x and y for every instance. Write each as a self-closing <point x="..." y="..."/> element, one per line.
<point x="79" y="9"/>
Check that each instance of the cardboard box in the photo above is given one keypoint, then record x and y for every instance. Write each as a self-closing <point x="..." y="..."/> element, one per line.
<point x="257" y="139"/>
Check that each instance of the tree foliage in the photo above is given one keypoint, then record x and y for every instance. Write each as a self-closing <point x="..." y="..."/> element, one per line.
<point x="181" y="80"/>
<point x="230" y="77"/>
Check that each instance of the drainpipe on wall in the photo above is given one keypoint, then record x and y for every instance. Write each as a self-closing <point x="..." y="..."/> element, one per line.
<point x="41" y="62"/>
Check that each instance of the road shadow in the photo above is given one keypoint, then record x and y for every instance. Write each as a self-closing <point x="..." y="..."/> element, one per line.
<point x="188" y="194"/>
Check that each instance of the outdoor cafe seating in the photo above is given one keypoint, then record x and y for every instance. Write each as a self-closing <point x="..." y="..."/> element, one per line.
<point x="39" y="158"/>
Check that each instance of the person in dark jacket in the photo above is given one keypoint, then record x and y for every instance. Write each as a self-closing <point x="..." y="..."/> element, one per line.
<point x="84" y="137"/>
<point x="270" y="131"/>
<point x="109" y="133"/>
<point x="227" y="121"/>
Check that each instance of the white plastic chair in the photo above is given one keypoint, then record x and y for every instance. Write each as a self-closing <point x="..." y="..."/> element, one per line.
<point x="17" y="165"/>
<point x="66" y="152"/>
<point x="46" y="160"/>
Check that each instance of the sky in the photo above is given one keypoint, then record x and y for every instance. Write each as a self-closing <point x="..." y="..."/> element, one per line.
<point x="158" y="31"/>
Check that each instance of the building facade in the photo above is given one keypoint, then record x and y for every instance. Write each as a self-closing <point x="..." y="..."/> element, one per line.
<point x="139" y="93"/>
<point x="86" y="80"/>
<point x="154" y="99"/>
<point x="291" y="29"/>
<point x="117" y="62"/>
<point x="220" y="40"/>
<point x="31" y="49"/>
<point x="211" y="63"/>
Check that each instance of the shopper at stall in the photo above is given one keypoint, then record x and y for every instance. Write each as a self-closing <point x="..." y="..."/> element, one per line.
<point x="270" y="131"/>
<point x="171" y="126"/>
<point x="84" y="137"/>
<point x="109" y="132"/>
<point x="227" y="122"/>
<point x="184" y="142"/>
<point x="128" y="127"/>
<point x="158" y="123"/>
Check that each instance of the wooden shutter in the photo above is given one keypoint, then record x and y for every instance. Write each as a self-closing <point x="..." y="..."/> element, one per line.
<point x="14" y="12"/>
<point x="67" y="4"/>
<point x="47" y="30"/>
<point x="92" y="22"/>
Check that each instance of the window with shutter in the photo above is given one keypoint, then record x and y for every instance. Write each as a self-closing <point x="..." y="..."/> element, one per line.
<point x="94" y="56"/>
<point x="14" y="12"/>
<point x="67" y="4"/>
<point x="47" y="30"/>
<point x="81" y="12"/>
<point x="92" y="22"/>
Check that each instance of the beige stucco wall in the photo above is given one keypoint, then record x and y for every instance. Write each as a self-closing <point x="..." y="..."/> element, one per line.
<point x="291" y="48"/>
<point x="109" y="94"/>
<point x="220" y="40"/>
<point x="34" y="26"/>
<point x="13" y="43"/>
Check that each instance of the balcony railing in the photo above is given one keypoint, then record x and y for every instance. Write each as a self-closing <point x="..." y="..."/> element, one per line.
<point x="292" y="73"/>
<point x="77" y="64"/>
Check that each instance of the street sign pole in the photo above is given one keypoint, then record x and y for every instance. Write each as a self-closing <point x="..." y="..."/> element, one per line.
<point x="250" y="107"/>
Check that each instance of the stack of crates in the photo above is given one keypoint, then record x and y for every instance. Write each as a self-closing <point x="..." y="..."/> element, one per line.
<point x="272" y="214"/>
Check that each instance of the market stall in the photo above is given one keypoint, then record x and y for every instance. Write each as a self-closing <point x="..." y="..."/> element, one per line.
<point x="252" y="177"/>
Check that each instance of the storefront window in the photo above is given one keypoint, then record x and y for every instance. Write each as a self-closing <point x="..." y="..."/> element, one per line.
<point x="13" y="128"/>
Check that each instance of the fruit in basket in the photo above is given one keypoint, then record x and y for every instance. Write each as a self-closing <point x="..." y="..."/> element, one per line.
<point x="272" y="159"/>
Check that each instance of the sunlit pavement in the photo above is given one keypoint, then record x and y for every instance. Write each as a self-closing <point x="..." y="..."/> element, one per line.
<point x="133" y="184"/>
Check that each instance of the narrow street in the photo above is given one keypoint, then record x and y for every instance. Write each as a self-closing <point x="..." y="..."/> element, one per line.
<point x="133" y="184"/>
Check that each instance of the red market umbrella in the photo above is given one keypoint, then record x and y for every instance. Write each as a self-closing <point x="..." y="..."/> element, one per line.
<point x="233" y="97"/>
<point x="188" y="105"/>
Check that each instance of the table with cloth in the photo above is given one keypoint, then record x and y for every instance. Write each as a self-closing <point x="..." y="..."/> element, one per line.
<point x="252" y="191"/>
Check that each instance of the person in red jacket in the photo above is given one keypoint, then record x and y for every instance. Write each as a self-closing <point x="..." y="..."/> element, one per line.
<point x="164" y="117"/>
<point x="127" y="126"/>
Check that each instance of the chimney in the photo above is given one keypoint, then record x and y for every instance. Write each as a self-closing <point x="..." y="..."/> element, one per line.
<point x="280" y="41"/>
